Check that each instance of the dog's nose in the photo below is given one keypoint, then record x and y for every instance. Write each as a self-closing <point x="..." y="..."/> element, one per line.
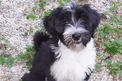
<point x="76" y="36"/>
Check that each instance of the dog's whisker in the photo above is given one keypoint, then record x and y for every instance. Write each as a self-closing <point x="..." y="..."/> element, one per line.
<point x="67" y="36"/>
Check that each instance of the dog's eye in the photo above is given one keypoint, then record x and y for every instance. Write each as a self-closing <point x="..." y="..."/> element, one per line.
<point x="66" y="22"/>
<point x="84" y="22"/>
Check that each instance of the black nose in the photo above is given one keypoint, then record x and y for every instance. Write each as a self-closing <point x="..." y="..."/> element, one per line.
<point x="76" y="36"/>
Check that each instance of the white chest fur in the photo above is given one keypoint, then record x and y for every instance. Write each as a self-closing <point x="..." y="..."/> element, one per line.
<point x="72" y="65"/>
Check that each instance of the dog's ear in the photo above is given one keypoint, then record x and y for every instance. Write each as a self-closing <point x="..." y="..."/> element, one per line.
<point x="94" y="18"/>
<point x="50" y="22"/>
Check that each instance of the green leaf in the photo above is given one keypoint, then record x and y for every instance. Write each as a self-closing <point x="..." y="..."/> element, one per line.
<point x="109" y="61"/>
<point x="0" y="2"/>
<point x="47" y="13"/>
<point x="30" y="31"/>
<point x="120" y="73"/>
<point x="40" y="1"/>
<point x="9" y="61"/>
<point x="41" y="5"/>
<point x="67" y="1"/>
<point x="97" y="66"/>
<point x="113" y="47"/>
<point x="23" y="56"/>
<point x="105" y="38"/>
<point x="119" y="0"/>
<point x="32" y="16"/>
<point x="42" y="27"/>
<point x="34" y="8"/>
<point x="36" y="2"/>
<point x="2" y="38"/>
<point x="2" y="60"/>
<point x="111" y="50"/>
<point x="19" y="57"/>
<point x="28" y="55"/>
<point x="10" y="46"/>
<point x="100" y="55"/>
<point x="120" y="51"/>
<point x="78" y="1"/>
<point x="112" y="3"/>
<point x="60" y="2"/>
<point x="114" y="67"/>
<point x="29" y="47"/>
<point x="37" y="28"/>
<point x="107" y="25"/>
<point x="45" y="0"/>
<point x="29" y="66"/>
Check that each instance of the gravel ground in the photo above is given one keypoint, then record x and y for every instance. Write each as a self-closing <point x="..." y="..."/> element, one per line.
<point x="14" y="26"/>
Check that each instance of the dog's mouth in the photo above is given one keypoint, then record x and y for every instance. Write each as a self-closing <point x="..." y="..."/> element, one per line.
<point x="76" y="45"/>
<point x="77" y="42"/>
<point x="72" y="43"/>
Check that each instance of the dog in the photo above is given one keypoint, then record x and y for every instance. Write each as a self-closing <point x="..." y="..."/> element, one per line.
<point x="66" y="52"/>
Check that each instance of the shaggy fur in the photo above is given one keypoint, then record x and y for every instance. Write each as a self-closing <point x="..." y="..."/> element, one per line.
<point x="67" y="52"/>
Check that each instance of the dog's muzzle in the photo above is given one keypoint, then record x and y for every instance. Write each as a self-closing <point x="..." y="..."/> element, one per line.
<point x="77" y="38"/>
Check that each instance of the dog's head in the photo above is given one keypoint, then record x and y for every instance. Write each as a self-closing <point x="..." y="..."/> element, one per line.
<point x="72" y="24"/>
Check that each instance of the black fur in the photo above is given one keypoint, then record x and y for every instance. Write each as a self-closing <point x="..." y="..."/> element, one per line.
<point x="42" y="60"/>
<point x="39" y="38"/>
<point x="55" y="25"/>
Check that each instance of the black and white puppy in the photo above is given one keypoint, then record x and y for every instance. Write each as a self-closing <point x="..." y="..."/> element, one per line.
<point x="67" y="52"/>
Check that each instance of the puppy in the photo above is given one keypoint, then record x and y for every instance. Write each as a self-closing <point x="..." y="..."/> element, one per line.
<point x="67" y="52"/>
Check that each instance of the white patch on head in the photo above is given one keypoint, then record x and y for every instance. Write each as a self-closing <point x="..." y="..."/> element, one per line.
<point x="73" y="29"/>
<point x="68" y="6"/>
<point x="72" y="65"/>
